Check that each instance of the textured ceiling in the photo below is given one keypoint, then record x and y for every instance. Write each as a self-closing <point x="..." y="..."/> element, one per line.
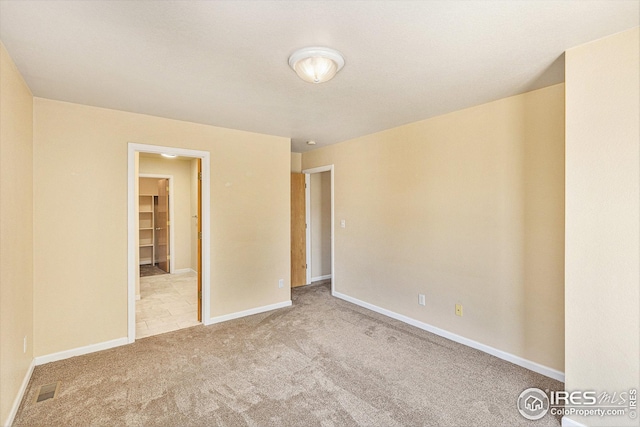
<point x="224" y="63"/>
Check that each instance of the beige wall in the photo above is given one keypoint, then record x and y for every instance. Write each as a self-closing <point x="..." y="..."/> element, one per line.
<point x="320" y="195"/>
<point x="296" y="162"/>
<point x="80" y="186"/>
<point x="602" y="215"/>
<point x="16" y="229"/>
<point x="148" y="186"/>
<point x="180" y="170"/>
<point x="466" y="208"/>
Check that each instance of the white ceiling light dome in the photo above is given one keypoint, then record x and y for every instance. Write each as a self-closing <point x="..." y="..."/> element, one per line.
<point x="316" y="64"/>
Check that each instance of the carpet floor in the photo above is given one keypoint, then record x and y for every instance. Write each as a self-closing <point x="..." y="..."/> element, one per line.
<point x="321" y="362"/>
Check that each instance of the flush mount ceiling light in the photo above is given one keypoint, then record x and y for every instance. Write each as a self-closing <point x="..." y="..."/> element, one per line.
<point x="169" y="156"/>
<point x="316" y="64"/>
<point x="311" y="143"/>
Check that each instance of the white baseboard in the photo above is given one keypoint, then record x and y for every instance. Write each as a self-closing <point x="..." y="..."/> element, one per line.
<point x="568" y="422"/>
<point x="238" y="314"/>
<point x="41" y="360"/>
<point x="325" y="277"/>
<point x="20" y="395"/>
<point x="532" y="366"/>
<point x="183" y="270"/>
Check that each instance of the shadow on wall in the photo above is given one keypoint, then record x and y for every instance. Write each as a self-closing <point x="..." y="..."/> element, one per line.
<point x="552" y="75"/>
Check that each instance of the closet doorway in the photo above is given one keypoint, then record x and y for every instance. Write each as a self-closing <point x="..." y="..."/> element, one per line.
<point x="168" y="215"/>
<point x="168" y="239"/>
<point x="155" y="208"/>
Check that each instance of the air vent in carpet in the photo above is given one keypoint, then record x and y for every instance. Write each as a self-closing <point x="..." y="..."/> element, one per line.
<point x="47" y="392"/>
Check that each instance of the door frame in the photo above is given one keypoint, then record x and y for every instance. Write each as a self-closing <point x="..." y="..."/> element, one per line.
<point x="307" y="220"/>
<point x="172" y="266"/>
<point x="308" y="172"/>
<point x="132" y="231"/>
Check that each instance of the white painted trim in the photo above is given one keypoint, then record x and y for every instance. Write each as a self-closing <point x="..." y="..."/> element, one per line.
<point x="92" y="348"/>
<point x="206" y="236"/>
<point x="532" y="366"/>
<point x="568" y="422"/>
<point x="183" y="271"/>
<point x="239" y="314"/>
<point x="325" y="277"/>
<point x="307" y="209"/>
<point x="132" y="230"/>
<point x="333" y="231"/>
<point x="172" y="235"/>
<point x="20" y="395"/>
<point x="333" y="218"/>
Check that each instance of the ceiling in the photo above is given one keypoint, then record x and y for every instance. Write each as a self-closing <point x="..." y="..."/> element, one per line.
<point x="224" y="63"/>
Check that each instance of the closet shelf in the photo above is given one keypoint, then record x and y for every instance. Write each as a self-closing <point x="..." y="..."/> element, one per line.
<point x="147" y="223"/>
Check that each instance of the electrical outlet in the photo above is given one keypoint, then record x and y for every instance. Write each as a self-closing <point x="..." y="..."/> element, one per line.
<point x="459" y="310"/>
<point x="343" y="223"/>
<point x="421" y="299"/>
<point x="24" y="344"/>
<point x="281" y="283"/>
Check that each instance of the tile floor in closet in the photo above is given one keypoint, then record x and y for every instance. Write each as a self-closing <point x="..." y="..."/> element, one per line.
<point x="167" y="302"/>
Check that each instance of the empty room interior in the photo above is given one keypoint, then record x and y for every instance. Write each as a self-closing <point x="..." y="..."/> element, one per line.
<point x="385" y="213"/>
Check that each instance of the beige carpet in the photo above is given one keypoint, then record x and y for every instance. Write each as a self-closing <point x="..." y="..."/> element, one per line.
<point x="322" y="362"/>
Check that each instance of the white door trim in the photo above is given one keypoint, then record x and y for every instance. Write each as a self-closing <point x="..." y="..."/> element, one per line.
<point x="132" y="230"/>
<point x="328" y="168"/>
<point x="172" y="236"/>
<point x="307" y="210"/>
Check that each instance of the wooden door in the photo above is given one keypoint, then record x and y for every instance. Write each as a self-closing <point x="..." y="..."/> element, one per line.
<point x="199" y="239"/>
<point x="162" y="226"/>
<point x="298" y="231"/>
